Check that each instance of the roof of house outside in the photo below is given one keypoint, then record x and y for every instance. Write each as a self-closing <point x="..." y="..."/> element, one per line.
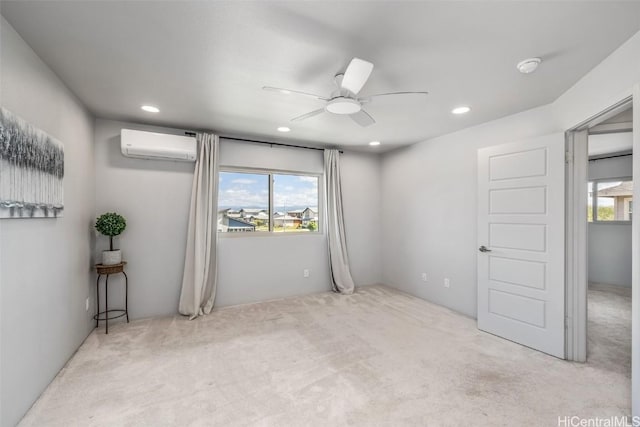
<point x="240" y="221"/>
<point x="623" y="189"/>
<point x="260" y="215"/>
<point x="252" y="210"/>
<point x="311" y="208"/>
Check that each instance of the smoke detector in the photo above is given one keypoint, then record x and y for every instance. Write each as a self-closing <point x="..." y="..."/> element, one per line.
<point x="528" y="65"/>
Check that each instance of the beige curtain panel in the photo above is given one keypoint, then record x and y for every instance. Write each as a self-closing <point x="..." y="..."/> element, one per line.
<point x="200" y="265"/>
<point x="338" y="258"/>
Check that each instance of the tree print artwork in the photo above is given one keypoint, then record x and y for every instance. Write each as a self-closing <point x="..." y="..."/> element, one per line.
<point x="31" y="170"/>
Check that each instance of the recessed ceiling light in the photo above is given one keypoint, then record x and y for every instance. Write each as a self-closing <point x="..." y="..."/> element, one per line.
<point x="461" y="110"/>
<point x="283" y="129"/>
<point x="150" y="109"/>
<point x="528" y="65"/>
<point x="374" y="143"/>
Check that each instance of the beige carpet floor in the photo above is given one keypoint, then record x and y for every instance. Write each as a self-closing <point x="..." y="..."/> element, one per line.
<point x="609" y="328"/>
<point x="376" y="358"/>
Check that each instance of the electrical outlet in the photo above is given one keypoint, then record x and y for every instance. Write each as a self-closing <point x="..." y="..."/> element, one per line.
<point x="86" y="304"/>
<point x="305" y="272"/>
<point x="446" y="282"/>
<point x="424" y="277"/>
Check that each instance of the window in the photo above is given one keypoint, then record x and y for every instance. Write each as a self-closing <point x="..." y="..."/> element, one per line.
<point x="610" y="200"/>
<point x="267" y="201"/>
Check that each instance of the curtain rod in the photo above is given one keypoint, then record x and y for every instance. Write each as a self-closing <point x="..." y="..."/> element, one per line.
<point x="611" y="157"/>
<point x="255" y="141"/>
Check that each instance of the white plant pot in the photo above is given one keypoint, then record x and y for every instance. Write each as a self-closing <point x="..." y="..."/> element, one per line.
<point x="111" y="257"/>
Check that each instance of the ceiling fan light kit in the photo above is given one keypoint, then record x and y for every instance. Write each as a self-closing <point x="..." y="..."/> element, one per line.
<point x="343" y="105"/>
<point x="344" y="100"/>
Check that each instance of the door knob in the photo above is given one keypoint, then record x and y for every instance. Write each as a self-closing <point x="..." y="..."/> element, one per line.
<point x="484" y="249"/>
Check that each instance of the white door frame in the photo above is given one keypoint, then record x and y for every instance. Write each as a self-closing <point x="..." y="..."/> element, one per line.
<point x="576" y="245"/>
<point x="576" y="239"/>
<point x="635" y="263"/>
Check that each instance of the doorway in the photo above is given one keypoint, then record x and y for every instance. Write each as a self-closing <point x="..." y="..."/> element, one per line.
<point x="577" y="232"/>
<point x="609" y="271"/>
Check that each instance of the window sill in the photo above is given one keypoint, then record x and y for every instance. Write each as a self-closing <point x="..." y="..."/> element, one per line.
<point x="610" y="222"/>
<point x="268" y="234"/>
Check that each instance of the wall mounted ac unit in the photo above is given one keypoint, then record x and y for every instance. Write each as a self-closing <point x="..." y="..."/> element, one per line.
<point x="157" y="146"/>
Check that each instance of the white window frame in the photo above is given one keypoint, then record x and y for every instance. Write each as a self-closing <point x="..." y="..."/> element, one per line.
<point x="594" y="197"/>
<point x="270" y="173"/>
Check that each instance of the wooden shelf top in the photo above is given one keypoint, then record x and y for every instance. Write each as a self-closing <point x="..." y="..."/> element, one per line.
<point x="110" y="269"/>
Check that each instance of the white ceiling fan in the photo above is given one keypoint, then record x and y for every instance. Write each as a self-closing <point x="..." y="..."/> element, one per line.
<point x="344" y="100"/>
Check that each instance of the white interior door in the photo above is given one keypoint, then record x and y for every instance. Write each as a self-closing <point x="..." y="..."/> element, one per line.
<point x="521" y="242"/>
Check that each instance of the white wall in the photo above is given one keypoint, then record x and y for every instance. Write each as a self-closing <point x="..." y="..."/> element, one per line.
<point x="429" y="189"/>
<point x="429" y="209"/>
<point x="362" y="215"/>
<point x="610" y="254"/>
<point x="610" y="244"/>
<point x="257" y="268"/>
<point x="45" y="264"/>
<point x="154" y="197"/>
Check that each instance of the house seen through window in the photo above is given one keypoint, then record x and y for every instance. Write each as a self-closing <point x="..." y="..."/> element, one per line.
<point x="267" y="201"/>
<point x="610" y="200"/>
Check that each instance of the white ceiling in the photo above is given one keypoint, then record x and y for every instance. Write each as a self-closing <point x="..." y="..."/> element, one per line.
<point x="204" y="63"/>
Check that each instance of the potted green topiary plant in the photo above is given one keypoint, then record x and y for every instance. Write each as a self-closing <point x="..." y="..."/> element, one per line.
<point x="111" y="224"/>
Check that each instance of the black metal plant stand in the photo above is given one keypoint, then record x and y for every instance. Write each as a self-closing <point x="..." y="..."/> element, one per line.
<point x="106" y="315"/>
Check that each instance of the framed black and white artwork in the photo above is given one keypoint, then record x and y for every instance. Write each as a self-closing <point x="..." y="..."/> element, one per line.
<point x="31" y="170"/>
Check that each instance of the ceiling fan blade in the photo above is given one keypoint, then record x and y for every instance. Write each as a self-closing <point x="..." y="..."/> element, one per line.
<point x="297" y="92"/>
<point x="362" y="118"/>
<point x="357" y="74"/>
<point x="306" y="116"/>
<point x="370" y="98"/>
